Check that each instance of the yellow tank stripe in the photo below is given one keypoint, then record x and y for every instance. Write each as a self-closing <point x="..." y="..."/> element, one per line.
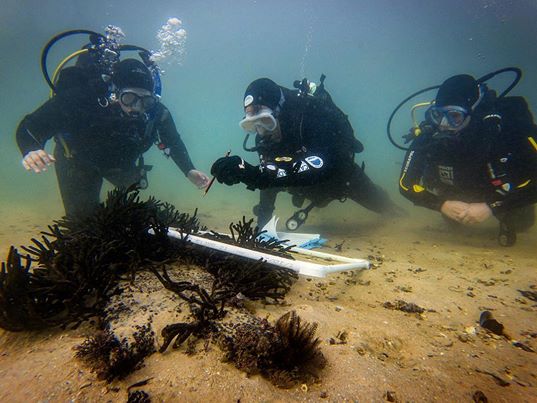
<point x="533" y="143"/>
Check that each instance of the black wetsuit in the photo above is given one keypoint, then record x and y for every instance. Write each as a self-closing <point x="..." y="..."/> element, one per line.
<point x="314" y="159"/>
<point x="103" y="143"/>
<point x="496" y="165"/>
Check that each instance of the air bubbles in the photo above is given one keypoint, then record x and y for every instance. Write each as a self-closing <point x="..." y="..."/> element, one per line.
<point x="114" y="33"/>
<point x="312" y="22"/>
<point x="172" y="39"/>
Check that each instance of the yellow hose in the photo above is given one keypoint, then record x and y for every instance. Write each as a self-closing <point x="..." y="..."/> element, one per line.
<point x="62" y="63"/>
<point x="66" y="149"/>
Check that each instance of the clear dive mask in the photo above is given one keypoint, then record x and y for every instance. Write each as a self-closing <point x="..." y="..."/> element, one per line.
<point x="260" y="121"/>
<point x="130" y="98"/>
<point x="449" y="117"/>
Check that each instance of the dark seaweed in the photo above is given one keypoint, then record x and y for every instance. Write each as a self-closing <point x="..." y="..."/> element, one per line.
<point x="286" y="354"/>
<point x="233" y="276"/>
<point x="205" y="308"/>
<point x="139" y="396"/>
<point x="246" y="235"/>
<point x="80" y="260"/>
<point x="237" y="275"/>
<point x="111" y="358"/>
<point x="479" y="397"/>
<point x="404" y="306"/>
<point x="254" y="280"/>
<point x="18" y="308"/>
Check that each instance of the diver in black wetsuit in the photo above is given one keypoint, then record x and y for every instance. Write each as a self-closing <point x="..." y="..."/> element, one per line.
<point x="97" y="139"/>
<point x="306" y="146"/>
<point x="476" y="157"/>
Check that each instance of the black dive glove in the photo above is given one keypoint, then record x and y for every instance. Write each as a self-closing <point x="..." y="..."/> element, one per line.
<point x="232" y="170"/>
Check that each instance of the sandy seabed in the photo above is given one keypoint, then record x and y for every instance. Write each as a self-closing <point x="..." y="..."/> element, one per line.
<point x="373" y="353"/>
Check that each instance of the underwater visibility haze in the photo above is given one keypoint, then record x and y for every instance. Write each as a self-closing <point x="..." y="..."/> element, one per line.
<point x="374" y="54"/>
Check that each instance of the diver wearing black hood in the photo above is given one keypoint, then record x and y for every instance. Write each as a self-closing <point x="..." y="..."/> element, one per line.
<point x="476" y="157"/>
<point x="306" y="146"/>
<point x="99" y="137"/>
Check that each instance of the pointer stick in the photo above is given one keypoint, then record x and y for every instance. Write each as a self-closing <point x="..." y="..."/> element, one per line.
<point x="214" y="178"/>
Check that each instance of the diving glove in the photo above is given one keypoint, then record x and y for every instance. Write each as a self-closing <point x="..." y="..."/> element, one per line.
<point x="232" y="170"/>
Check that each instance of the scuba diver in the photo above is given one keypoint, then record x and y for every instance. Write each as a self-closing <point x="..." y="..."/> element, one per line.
<point x="474" y="156"/>
<point x="104" y="114"/>
<point x="306" y="146"/>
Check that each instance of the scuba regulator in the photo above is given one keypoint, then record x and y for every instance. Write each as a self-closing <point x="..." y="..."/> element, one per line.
<point x="102" y="53"/>
<point x="306" y="87"/>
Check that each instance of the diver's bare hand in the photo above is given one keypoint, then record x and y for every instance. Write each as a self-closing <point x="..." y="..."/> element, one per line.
<point x="37" y="161"/>
<point x="454" y="209"/>
<point x="198" y="178"/>
<point x="477" y="213"/>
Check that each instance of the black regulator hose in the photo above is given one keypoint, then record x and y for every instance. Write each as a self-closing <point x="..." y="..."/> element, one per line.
<point x="48" y="46"/>
<point x="404" y="101"/>
<point x="515" y="70"/>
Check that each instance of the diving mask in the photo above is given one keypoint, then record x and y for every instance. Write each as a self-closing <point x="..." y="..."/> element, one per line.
<point x="131" y="98"/>
<point x="260" y="121"/>
<point x="450" y="117"/>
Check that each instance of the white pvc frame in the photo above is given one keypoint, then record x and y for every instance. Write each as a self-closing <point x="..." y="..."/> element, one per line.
<point x="304" y="268"/>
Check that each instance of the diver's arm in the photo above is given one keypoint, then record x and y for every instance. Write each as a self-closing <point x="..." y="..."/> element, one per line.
<point x="515" y="199"/>
<point x="523" y="193"/>
<point x="38" y="127"/>
<point x="170" y="138"/>
<point x="34" y="131"/>
<point x="283" y="172"/>
<point x="410" y="182"/>
<point x="311" y="169"/>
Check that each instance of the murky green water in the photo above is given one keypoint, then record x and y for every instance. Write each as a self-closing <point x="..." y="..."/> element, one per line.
<point x="374" y="54"/>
